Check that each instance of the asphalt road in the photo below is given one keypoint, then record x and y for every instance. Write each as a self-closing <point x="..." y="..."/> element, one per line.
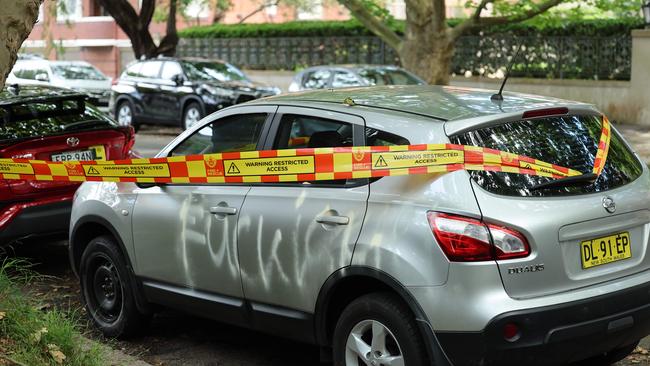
<point x="151" y="139"/>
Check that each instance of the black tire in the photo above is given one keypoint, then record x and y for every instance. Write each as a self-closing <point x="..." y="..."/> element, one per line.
<point x="126" y="104"/>
<point x="108" y="290"/>
<point x="610" y="357"/>
<point x="191" y="108"/>
<point x="390" y="312"/>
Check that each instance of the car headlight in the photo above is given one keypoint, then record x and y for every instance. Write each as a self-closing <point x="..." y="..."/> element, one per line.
<point x="219" y="92"/>
<point x="275" y="90"/>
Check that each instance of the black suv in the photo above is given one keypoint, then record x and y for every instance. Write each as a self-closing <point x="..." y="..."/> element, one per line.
<point x="180" y="91"/>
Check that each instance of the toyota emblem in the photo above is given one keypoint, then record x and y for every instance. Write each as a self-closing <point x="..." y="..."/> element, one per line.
<point x="72" y="141"/>
<point x="609" y="204"/>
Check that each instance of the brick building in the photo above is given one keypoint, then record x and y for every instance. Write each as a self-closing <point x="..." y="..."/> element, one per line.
<point x="85" y="32"/>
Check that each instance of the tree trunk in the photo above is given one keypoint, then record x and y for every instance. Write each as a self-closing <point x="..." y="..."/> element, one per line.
<point x="430" y="61"/>
<point x="16" y="22"/>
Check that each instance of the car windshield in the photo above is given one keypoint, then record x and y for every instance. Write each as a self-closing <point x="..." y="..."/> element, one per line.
<point x="46" y="118"/>
<point x="388" y="76"/>
<point x="213" y="71"/>
<point x="77" y="72"/>
<point x="570" y="141"/>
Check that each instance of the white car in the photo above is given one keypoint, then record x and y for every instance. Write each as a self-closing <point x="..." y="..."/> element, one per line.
<point x="77" y="75"/>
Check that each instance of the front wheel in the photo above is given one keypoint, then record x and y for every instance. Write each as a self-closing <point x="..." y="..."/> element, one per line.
<point x="108" y="290"/>
<point x="378" y="330"/>
<point x="192" y="115"/>
<point x="125" y="116"/>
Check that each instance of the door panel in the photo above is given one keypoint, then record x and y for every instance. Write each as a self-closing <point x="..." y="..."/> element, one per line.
<point x="182" y="238"/>
<point x="186" y="235"/>
<point x="292" y="237"/>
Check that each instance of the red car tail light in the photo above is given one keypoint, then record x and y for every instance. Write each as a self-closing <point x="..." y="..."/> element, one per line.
<point x="464" y="239"/>
<point x="129" y="142"/>
<point x="5" y="192"/>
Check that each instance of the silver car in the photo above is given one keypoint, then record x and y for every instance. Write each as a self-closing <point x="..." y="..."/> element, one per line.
<point x="465" y="268"/>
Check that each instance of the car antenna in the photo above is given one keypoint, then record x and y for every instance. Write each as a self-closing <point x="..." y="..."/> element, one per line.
<point x="498" y="97"/>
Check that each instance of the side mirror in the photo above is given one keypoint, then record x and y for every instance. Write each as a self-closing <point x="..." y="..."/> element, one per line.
<point x="148" y="185"/>
<point x="42" y="77"/>
<point x="178" y="79"/>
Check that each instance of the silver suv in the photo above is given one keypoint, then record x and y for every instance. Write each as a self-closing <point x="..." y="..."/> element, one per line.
<point x="465" y="268"/>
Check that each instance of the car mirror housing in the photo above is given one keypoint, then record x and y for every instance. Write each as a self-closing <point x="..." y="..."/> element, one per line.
<point x="178" y="79"/>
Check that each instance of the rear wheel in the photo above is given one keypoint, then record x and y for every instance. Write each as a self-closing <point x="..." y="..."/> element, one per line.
<point x="192" y="115"/>
<point x="108" y="290"/>
<point x="377" y="330"/>
<point x="125" y="116"/>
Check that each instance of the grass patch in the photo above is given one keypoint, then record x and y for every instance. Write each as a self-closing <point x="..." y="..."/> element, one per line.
<point x="29" y="336"/>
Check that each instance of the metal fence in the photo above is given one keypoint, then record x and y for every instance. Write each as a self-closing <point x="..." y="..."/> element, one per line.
<point x="604" y="58"/>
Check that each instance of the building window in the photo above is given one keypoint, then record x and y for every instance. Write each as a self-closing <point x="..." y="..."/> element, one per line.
<point x="67" y="10"/>
<point x="96" y="10"/>
<point x="313" y="10"/>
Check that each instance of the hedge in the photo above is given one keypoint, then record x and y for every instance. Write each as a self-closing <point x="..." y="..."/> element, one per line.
<point x="599" y="27"/>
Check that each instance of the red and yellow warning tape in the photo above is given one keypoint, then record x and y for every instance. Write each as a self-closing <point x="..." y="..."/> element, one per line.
<point x="295" y="165"/>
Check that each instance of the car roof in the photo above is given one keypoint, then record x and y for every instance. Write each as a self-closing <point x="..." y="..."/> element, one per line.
<point x="352" y="67"/>
<point x="187" y="59"/>
<point x="445" y="103"/>
<point x="12" y="94"/>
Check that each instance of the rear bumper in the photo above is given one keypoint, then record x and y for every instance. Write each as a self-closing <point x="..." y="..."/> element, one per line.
<point x="557" y="334"/>
<point x="35" y="219"/>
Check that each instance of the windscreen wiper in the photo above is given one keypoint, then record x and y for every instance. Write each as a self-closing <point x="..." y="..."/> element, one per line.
<point x="578" y="180"/>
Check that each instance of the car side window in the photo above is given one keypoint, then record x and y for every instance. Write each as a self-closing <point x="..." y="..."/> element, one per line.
<point x="171" y="69"/>
<point x="29" y="73"/>
<point x="133" y="71"/>
<point x="297" y="131"/>
<point x="151" y="69"/>
<point x="344" y="79"/>
<point x="381" y="138"/>
<point x="229" y="134"/>
<point x="317" y="79"/>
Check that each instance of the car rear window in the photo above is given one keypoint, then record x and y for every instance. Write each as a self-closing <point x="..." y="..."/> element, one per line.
<point x="570" y="141"/>
<point x="45" y="118"/>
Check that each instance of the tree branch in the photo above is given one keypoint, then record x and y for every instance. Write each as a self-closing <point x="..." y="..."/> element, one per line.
<point x="480" y="8"/>
<point x="169" y="42"/>
<point x="146" y="12"/>
<point x="373" y="23"/>
<point x="260" y="8"/>
<point x="476" y="22"/>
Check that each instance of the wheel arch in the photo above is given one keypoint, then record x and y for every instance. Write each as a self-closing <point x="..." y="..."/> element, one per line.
<point x="121" y="98"/>
<point x="349" y="283"/>
<point x="190" y="99"/>
<point x="90" y="227"/>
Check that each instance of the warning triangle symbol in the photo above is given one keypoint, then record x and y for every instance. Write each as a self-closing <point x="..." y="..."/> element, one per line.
<point x="233" y="169"/>
<point x="381" y="163"/>
<point x="92" y="171"/>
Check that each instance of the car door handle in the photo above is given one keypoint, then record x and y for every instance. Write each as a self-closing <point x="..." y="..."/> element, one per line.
<point x="333" y="220"/>
<point x="223" y="210"/>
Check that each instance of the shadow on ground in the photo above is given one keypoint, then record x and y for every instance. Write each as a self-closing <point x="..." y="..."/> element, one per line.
<point x="174" y="338"/>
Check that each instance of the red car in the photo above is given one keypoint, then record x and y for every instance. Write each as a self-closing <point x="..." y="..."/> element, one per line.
<point x="50" y="124"/>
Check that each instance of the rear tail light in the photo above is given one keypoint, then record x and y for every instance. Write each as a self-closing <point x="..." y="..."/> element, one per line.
<point x="5" y="192"/>
<point x="129" y="142"/>
<point x="464" y="239"/>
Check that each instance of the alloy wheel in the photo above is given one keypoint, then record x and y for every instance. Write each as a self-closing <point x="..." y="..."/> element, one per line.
<point x="192" y="117"/>
<point x="124" y="115"/>
<point x="371" y="343"/>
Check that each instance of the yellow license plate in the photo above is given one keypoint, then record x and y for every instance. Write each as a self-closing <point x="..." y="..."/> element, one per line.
<point x="607" y="249"/>
<point x="100" y="152"/>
